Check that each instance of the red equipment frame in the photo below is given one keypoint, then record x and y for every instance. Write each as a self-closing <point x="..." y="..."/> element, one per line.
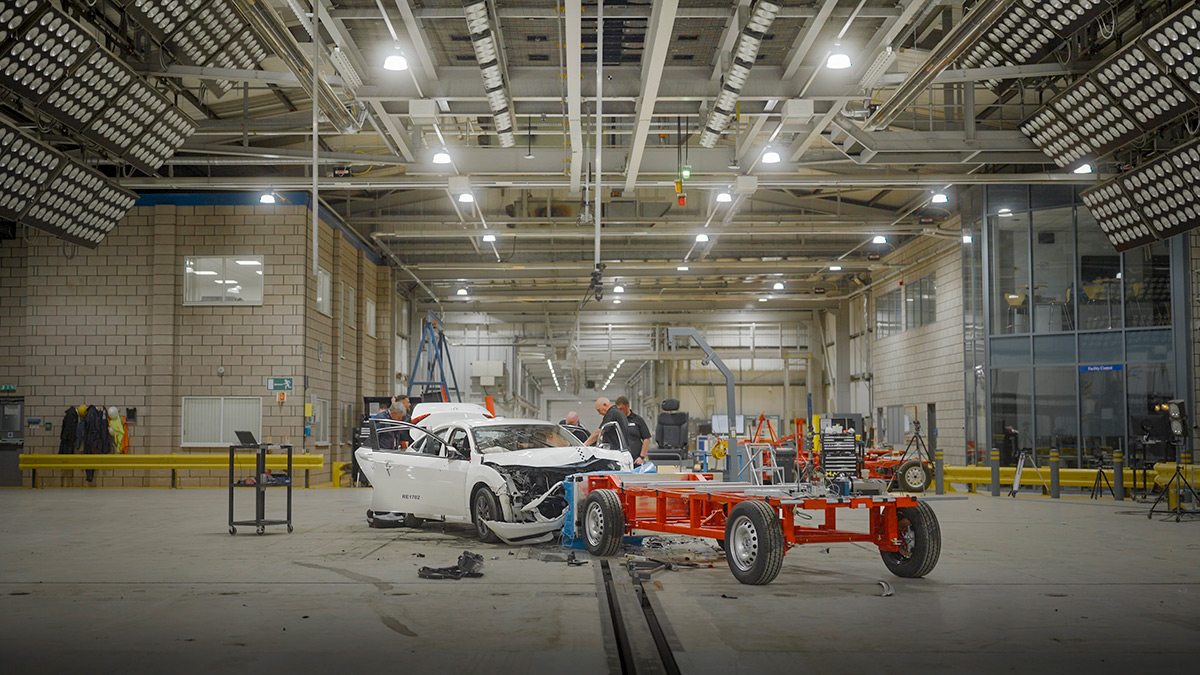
<point x="680" y="507"/>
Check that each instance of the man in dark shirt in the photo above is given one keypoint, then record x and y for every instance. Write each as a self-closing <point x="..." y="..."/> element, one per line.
<point x="637" y="431"/>
<point x="398" y="412"/>
<point x="615" y="436"/>
<point x="571" y="422"/>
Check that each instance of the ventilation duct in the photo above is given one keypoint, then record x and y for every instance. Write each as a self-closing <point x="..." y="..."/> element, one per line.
<point x="745" y="52"/>
<point x="487" y="54"/>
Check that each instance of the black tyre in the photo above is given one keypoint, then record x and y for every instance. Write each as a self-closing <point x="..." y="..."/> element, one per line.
<point x="603" y="523"/>
<point x="754" y="544"/>
<point x="485" y="506"/>
<point x="232" y="530"/>
<point x="913" y="476"/>
<point x="921" y="538"/>
<point x="412" y="521"/>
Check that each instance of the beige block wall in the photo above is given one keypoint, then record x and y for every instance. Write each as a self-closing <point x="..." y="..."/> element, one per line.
<point x="925" y="365"/>
<point x="108" y="327"/>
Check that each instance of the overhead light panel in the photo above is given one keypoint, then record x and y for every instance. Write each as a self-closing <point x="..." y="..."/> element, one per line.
<point x="879" y="239"/>
<point x="616" y="301"/>
<point x="488" y="56"/>
<point x="489" y="238"/>
<point x="682" y="268"/>
<point x="701" y="238"/>
<point x="770" y="157"/>
<point x="466" y="198"/>
<point x="967" y="239"/>
<point x="778" y="286"/>
<point x="461" y="291"/>
<point x="395" y="61"/>
<point x="1005" y="213"/>
<point x="441" y="157"/>
<point x="266" y="198"/>
<point x="940" y="198"/>
<point x="1083" y="169"/>
<point x="835" y="268"/>
<point x="745" y="53"/>
<point x="618" y="289"/>
<point x="724" y="197"/>
<point x="1154" y="201"/>
<point x="53" y="192"/>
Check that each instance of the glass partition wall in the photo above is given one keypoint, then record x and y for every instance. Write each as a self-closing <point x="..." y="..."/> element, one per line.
<point x="1068" y="344"/>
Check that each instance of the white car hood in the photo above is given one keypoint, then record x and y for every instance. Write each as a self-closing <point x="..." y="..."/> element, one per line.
<point x="554" y="457"/>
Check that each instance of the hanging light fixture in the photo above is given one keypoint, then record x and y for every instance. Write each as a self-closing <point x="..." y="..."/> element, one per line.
<point x="441" y="157"/>
<point x="701" y="238"/>
<point x="838" y="58"/>
<point x="396" y="60"/>
<point x="724" y="197"/>
<point x="770" y="156"/>
<point x="940" y="198"/>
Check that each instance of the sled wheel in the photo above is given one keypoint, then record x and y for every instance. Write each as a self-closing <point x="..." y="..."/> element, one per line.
<point x="754" y="544"/>
<point x="603" y="523"/>
<point x="921" y="538"/>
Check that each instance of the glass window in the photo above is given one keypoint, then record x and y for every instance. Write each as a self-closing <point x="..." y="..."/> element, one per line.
<point x="1056" y="414"/>
<point x="1012" y="197"/>
<point x="1054" y="349"/>
<point x="319" y="426"/>
<point x="1147" y="278"/>
<point x="349" y="305"/>
<point x="212" y="420"/>
<point x="1099" y="295"/>
<point x="222" y="281"/>
<point x="370" y="318"/>
<point x="1101" y="348"/>
<point x="1045" y="196"/>
<point x="1102" y="416"/>
<point x="324" y="285"/>
<point x="1010" y="351"/>
<point x="1143" y="346"/>
<point x="920" y="300"/>
<point x="1009" y="252"/>
<point x="1012" y="412"/>
<point x="1149" y="385"/>
<point x="887" y="315"/>
<point x="1053" y="281"/>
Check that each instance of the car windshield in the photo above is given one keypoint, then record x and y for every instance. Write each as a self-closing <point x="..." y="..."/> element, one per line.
<point x="510" y="437"/>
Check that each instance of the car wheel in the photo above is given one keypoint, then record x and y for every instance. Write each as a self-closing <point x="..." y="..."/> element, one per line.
<point x="912" y="476"/>
<point x="603" y="523"/>
<point x="485" y="506"/>
<point x="921" y="538"/>
<point x="754" y="544"/>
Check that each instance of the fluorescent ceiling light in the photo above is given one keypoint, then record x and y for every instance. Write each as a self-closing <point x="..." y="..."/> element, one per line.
<point x="441" y="157"/>
<point x="682" y="268"/>
<point x="940" y="198"/>
<point x="489" y="238"/>
<point x="762" y="299"/>
<point x="770" y="157"/>
<point x="967" y="239"/>
<point x="462" y="291"/>
<point x="618" y="289"/>
<point x="616" y="301"/>
<point x="778" y="286"/>
<point x="702" y="238"/>
<point x="266" y="198"/>
<point x="835" y="268"/>
<point x="248" y="262"/>
<point x="258" y="272"/>
<point x="879" y="239"/>
<point x="206" y="273"/>
<point x="1004" y="213"/>
<point x="466" y="198"/>
<point x="1085" y="168"/>
<point x="225" y="281"/>
<point x="725" y="197"/>
<point x="189" y="270"/>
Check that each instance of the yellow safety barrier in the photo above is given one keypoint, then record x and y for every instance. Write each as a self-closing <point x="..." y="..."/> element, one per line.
<point x="981" y="475"/>
<point x="337" y="472"/>
<point x="276" y="462"/>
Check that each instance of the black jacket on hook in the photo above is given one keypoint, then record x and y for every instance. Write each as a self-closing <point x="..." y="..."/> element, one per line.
<point x="96" y="440"/>
<point x="68" y="438"/>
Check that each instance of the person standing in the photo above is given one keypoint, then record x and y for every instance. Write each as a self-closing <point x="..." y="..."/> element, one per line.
<point x="397" y="412"/>
<point x="616" y="435"/>
<point x="571" y="422"/>
<point x="637" y="431"/>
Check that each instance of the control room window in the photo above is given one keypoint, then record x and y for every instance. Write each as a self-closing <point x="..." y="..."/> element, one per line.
<point x="324" y="285"/>
<point x="887" y="315"/>
<point x="320" y="422"/>
<point x="920" y="302"/>
<point x="370" y="318"/>
<point x="211" y="420"/>
<point x="231" y="280"/>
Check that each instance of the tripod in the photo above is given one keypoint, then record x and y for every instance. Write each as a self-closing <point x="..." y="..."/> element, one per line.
<point x="1181" y="483"/>
<point x="918" y="443"/>
<point x="1020" y="467"/>
<point x="1097" y="490"/>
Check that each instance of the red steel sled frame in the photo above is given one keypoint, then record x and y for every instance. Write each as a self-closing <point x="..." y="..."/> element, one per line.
<point x="678" y="507"/>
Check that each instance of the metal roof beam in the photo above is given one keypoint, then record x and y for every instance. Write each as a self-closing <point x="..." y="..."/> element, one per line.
<point x="653" y="60"/>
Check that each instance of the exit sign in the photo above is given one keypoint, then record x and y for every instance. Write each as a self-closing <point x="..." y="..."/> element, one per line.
<point x="8" y="387"/>
<point x="279" y="384"/>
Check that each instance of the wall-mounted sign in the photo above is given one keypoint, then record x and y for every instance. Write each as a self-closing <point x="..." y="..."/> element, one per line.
<point x="1101" y="369"/>
<point x="279" y="384"/>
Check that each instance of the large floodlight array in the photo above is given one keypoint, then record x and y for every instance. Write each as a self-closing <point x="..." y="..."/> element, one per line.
<point x="205" y="33"/>
<point x="1153" y="81"/>
<point x="745" y="52"/>
<point x="1154" y="201"/>
<point x="487" y="55"/>
<point x="42" y="187"/>
<point x="53" y="63"/>
<point x="1028" y="31"/>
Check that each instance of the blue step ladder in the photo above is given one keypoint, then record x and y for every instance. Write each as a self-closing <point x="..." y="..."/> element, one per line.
<point x="436" y="361"/>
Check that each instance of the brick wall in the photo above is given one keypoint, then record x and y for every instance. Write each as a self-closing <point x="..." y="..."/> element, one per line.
<point x="108" y="327"/>
<point x="924" y="365"/>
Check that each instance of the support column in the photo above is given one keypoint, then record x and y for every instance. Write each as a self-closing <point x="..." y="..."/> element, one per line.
<point x="1054" y="463"/>
<point x="841" y="358"/>
<point x="159" y="417"/>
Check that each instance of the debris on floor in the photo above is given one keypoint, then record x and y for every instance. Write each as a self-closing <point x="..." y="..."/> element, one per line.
<point x="887" y="590"/>
<point x="469" y="565"/>
<point x="680" y="548"/>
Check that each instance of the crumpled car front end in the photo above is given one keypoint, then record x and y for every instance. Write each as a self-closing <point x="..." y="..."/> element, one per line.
<point x="534" y="494"/>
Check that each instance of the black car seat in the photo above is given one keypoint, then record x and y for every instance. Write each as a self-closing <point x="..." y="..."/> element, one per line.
<point x="670" y="432"/>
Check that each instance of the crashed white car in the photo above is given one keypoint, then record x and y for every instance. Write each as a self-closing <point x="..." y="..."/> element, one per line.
<point x="505" y="476"/>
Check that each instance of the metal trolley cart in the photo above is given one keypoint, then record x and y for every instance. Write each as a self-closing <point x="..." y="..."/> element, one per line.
<point x="756" y="524"/>
<point x="260" y="521"/>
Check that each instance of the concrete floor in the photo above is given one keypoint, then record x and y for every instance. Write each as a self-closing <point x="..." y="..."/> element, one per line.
<point x="102" y="581"/>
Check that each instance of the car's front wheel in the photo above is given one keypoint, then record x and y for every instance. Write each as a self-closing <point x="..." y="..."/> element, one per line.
<point x="485" y="506"/>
